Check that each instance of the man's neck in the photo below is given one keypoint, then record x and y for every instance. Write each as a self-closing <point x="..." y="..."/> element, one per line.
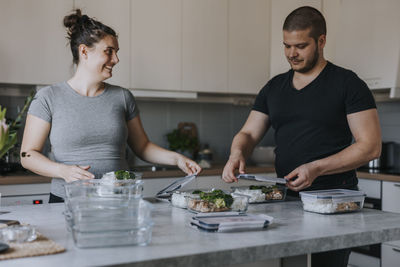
<point x="301" y="80"/>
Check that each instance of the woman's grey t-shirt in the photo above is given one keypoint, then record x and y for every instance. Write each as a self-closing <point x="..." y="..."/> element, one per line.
<point x="86" y="130"/>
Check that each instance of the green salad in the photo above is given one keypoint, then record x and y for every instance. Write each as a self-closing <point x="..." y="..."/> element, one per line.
<point x="124" y="175"/>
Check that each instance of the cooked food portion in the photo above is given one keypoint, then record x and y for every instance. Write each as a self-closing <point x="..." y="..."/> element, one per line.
<point x="327" y="206"/>
<point x="271" y="192"/>
<point x="261" y="193"/>
<point x="119" y="175"/>
<point x="214" y="201"/>
<point x="180" y="199"/>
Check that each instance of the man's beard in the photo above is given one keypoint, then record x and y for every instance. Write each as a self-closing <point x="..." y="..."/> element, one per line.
<point x="311" y="64"/>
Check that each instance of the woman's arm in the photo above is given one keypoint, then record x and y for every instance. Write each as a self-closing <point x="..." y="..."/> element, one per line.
<point x="35" y="134"/>
<point x="146" y="150"/>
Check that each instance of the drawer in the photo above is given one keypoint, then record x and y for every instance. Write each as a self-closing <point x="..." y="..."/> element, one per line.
<point x="390" y="256"/>
<point x="370" y="187"/>
<point x="391" y="196"/>
<point x="361" y="260"/>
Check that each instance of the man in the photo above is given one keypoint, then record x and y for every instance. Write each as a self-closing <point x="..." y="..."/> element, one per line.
<point x="316" y="109"/>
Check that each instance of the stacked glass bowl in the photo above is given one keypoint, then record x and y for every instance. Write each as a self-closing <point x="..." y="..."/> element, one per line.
<point x="103" y="213"/>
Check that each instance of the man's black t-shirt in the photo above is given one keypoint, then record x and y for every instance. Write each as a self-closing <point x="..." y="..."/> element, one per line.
<point x="311" y="123"/>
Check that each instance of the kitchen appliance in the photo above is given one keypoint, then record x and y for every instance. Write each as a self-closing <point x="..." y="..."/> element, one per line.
<point x="387" y="160"/>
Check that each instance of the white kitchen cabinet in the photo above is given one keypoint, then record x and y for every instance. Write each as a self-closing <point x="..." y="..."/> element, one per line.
<point x="280" y="9"/>
<point x="372" y="188"/>
<point x="390" y="255"/>
<point x="34" y="49"/>
<point x="115" y="14"/>
<point x="248" y="45"/>
<point x="204" y="45"/>
<point x="391" y="196"/>
<point x="369" y="41"/>
<point x="156" y="44"/>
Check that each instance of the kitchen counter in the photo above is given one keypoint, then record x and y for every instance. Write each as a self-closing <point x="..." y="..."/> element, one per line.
<point x="175" y="243"/>
<point x="31" y="178"/>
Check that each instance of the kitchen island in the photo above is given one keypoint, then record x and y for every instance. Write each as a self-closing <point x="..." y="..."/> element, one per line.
<point x="175" y="243"/>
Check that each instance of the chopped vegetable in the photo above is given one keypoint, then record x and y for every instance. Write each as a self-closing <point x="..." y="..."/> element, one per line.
<point x="124" y="175"/>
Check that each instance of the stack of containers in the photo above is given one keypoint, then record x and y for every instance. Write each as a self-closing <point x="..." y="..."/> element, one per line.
<point x="103" y="213"/>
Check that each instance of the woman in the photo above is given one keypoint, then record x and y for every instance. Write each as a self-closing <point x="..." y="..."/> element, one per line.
<point x="88" y="121"/>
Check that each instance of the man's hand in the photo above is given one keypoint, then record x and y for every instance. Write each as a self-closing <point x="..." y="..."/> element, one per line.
<point x="305" y="174"/>
<point x="234" y="162"/>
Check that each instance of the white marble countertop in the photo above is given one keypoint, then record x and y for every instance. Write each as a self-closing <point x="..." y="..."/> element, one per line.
<point x="175" y="243"/>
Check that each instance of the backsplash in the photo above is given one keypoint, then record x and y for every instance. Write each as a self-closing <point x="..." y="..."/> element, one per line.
<point x="389" y="116"/>
<point x="217" y="123"/>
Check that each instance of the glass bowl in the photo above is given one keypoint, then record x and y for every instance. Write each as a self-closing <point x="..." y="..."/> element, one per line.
<point x="18" y="233"/>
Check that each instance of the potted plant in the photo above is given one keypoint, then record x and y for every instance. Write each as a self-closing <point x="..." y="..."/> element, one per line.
<point x="8" y="131"/>
<point x="184" y="139"/>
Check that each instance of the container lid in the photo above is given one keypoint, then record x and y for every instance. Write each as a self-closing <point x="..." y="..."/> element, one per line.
<point x="232" y="223"/>
<point x="175" y="185"/>
<point x="262" y="178"/>
<point x="332" y="193"/>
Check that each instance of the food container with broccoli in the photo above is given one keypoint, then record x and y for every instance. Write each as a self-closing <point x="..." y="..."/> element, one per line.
<point x="332" y="201"/>
<point x="262" y="193"/>
<point x="108" y="186"/>
<point x="216" y="201"/>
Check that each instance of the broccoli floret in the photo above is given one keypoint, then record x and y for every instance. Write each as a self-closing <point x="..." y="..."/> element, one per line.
<point x="197" y="192"/>
<point x="220" y="203"/>
<point x="124" y="175"/>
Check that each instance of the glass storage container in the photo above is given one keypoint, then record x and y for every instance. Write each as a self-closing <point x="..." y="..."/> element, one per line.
<point x="332" y="201"/>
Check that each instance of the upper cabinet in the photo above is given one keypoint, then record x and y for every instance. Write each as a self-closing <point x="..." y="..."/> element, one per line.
<point x="115" y="14"/>
<point x="248" y="45"/>
<point x="34" y="48"/>
<point x="156" y="27"/>
<point x="279" y="11"/>
<point x="204" y="45"/>
<point x="368" y="42"/>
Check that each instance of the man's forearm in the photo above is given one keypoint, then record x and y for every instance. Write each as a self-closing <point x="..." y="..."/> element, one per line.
<point x="242" y="144"/>
<point x="349" y="158"/>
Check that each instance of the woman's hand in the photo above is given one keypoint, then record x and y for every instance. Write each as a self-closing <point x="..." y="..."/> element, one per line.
<point x="234" y="162"/>
<point x="187" y="165"/>
<point x="71" y="173"/>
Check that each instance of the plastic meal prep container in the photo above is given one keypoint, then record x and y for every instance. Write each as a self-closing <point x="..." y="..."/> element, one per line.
<point x="332" y="201"/>
<point x="269" y="193"/>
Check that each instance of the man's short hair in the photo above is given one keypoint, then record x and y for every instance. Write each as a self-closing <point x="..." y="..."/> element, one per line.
<point x="304" y="18"/>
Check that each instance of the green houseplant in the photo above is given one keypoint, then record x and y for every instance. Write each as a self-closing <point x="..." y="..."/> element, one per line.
<point x="182" y="141"/>
<point x="8" y="132"/>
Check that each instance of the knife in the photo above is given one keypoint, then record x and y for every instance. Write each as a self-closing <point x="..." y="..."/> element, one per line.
<point x="262" y="178"/>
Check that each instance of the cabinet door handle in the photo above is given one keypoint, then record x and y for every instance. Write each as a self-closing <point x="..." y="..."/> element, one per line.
<point x="397" y="185"/>
<point x="396" y="249"/>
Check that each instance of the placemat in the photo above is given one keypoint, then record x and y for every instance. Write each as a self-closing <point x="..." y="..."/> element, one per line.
<point x="41" y="246"/>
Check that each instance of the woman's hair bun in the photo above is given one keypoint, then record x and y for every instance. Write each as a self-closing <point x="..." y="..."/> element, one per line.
<point x="72" y="21"/>
<point x="81" y="29"/>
